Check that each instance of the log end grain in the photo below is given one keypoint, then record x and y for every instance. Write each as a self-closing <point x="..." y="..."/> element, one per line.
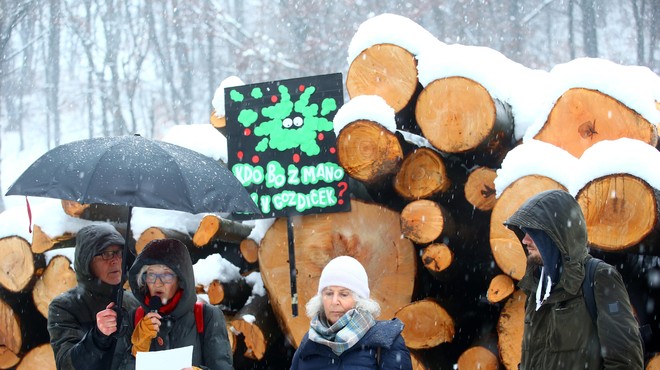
<point x="422" y="221"/>
<point x="427" y="324"/>
<point x="437" y="257"/>
<point x="480" y="188"/>
<point x="386" y="70"/>
<point x="16" y="263"/>
<point x="500" y="288"/>
<point x="57" y="278"/>
<point x="510" y="327"/>
<point x="478" y="357"/>
<point x="422" y="175"/>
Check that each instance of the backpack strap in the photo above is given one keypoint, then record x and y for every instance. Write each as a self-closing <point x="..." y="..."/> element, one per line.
<point x="199" y="316"/>
<point x="588" y="287"/>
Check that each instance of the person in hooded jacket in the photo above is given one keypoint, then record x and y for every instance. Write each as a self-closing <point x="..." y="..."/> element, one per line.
<point x="82" y="322"/>
<point x="344" y="333"/>
<point x="163" y="271"/>
<point x="559" y="332"/>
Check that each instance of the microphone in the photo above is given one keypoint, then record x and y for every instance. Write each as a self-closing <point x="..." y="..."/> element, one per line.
<point x="155" y="303"/>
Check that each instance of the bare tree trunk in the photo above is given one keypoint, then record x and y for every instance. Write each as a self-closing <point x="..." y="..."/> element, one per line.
<point x="53" y="69"/>
<point x="653" y="38"/>
<point x="589" y="30"/>
<point x="638" y="8"/>
<point x="112" y="40"/>
<point x="571" y="30"/>
<point x="181" y="47"/>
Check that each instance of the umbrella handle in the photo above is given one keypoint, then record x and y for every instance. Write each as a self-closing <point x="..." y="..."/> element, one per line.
<point x="119" y="298"/>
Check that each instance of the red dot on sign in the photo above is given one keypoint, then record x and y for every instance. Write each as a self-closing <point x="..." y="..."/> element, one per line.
<point x="333" y="150"/>
<point x="321" y="136"/>
<point x="296" y="158"/>
<point x="273" y="99"/>
<point x="239" y="154"/>
<point x="255" y="159"/>
<point x="247" y="132"/>
<point x="340" y="201"/>
<point x="301" y="88"/>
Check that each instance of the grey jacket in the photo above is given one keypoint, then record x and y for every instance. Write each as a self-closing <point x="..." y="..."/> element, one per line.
<point x="74" y="337"/>
<point x="561" y="334"/>
<point x="211" y="349"/>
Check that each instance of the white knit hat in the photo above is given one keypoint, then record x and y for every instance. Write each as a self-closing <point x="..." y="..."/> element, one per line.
<point x="347" y="272"/>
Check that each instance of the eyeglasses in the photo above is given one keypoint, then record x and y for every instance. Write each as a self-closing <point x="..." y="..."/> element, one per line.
<point x="166" y="278"/>
<point x="108" y="255"/>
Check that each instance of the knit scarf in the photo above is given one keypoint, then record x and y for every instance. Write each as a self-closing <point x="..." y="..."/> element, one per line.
<point x="344" y="333"/>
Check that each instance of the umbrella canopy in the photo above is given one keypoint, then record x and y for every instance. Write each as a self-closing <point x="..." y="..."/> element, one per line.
<point x="137" y="172"/>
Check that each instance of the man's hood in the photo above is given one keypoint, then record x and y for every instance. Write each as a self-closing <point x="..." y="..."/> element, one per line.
<point x="91" y="240"/>
<point x="559" y="215"/>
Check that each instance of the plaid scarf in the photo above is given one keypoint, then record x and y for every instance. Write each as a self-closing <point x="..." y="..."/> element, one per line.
<point x="344" y="333"/>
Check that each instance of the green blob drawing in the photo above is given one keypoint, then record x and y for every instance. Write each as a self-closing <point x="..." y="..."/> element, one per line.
<point x="247" y="117"/>
<point x="257" y="93"/>
<point x="236" y="96"/>
<point x="293" y="124"/>
<point x="327" y="106"/>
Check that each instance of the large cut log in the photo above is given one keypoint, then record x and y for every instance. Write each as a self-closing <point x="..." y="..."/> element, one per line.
<point x="154" y="233"/>
<point x="42" y="242"/>
<point x="258" y="325"/>
<point x="422" y="175"/>
<point x="214" y="227"/>
<point x="370" y="233"/>
<point x="621" y="211"/>
<point x="427" y="324"/>
<point x="479" y="188"/>
<point x="95" y="212"/>
<point x="423" y="221"/>
<point x="41" y="357"/>
<point x="16" y="263"/>
<point x="57" y="278"/>
<point x="507" y="250"/>
<point x="510" y="328"/>
<point x="654" y="362"/>
<point x="22" y="327"/>
<point x="386" y="70"/>
<point x="368" y="151"/>
<point x="582" y="117"/>
<point x="478" y="357"/>
<point x="458" y="115"/>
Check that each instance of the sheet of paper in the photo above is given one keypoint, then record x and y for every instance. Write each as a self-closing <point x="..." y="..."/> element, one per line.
<point x="171" y="359"/>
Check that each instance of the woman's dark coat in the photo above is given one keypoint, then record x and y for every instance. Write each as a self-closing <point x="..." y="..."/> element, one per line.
<point x="211" y="349"/>
<point x="74" y="337"/>
<point x="561" y="333"/>
<point x="382" y="347"/>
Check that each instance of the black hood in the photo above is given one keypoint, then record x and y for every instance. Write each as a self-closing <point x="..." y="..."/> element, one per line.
<point x="560" y="217"/>
<point x="173" y="254"/>
<point x="90" y="240"/>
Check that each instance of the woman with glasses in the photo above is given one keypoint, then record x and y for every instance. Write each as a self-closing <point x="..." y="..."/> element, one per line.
<point x="162" y="280"/>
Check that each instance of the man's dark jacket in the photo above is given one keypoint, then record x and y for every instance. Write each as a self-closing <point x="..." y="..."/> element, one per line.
<point x="74" y="337"/>
<point x="561" y="333"/>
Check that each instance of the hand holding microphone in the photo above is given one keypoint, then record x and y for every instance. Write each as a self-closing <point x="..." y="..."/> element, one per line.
<point x="147" y="328"/>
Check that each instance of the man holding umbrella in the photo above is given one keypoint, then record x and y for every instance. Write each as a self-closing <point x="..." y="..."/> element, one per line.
<point x="82" y="321"/>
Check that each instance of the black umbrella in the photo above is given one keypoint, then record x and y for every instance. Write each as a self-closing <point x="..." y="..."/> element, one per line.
<point x="133" y="171"/>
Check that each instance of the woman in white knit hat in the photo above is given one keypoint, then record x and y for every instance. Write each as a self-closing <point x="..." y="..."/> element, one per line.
<point x="344" y="332"/>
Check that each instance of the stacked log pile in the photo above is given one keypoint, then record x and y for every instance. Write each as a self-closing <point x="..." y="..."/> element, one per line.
<point x="440" y="152"/>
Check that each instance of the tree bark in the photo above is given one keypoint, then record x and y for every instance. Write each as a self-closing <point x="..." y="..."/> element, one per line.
<point x="507" y="250"/>
<point x="458" y="115"/>
<point x="390" y="260"/>
<point x="95" y="212"/>
<point x="214" y="227"/>
<point x="582" y="117"/>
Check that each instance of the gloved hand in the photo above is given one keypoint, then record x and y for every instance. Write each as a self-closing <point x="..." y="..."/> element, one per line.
<point x="145" y="331"/>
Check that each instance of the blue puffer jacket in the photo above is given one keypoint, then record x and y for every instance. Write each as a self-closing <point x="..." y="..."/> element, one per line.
<point x="385" y="335"/>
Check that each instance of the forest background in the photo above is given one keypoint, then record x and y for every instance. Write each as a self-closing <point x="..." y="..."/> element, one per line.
<point x="75" y="69"/>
